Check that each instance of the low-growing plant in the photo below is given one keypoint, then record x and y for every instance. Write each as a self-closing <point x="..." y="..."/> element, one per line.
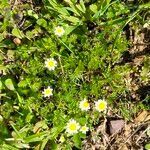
<point x="60" y="71"/>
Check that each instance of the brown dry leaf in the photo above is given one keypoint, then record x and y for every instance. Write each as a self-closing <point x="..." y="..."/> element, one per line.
<point x="141" y="117"/>
<point x="116" y="125"/>
<point x="138" y="60"/>
<point x="124" y="147"/>
<point x="128" y="129"/>
<point x="147" y="118"/>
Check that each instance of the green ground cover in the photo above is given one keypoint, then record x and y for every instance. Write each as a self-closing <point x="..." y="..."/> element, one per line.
<point x="64" y="68"/>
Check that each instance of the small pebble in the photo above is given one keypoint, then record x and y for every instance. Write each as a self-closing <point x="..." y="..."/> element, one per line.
<point x="17" y="41"/>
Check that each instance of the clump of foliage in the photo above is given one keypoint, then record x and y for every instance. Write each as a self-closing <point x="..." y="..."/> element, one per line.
<point x="87" y="56"/>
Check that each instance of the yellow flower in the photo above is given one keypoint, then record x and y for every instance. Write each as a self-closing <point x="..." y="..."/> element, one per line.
<point x="101" y="105"/>
<point x="48" y="92"/>
<point x="84" y="105"/>
<point x="72" y="127"/>
<point x="84" y="129"/>
<point x="50" y="63"/>
<point x="59" y="31"/>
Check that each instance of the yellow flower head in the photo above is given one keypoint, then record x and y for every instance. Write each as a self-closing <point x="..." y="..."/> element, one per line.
<point x="48" y="92"/>
<point x="59" y="31"/>
<point x="84" y="105"/>
<point x="84" y="129"/>
<point x="72" y="127"/>
<point x="101" y="105"/>
<point x="50" y="63"/>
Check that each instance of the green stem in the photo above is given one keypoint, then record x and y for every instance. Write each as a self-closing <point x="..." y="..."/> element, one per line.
<point x="65" y="45"/>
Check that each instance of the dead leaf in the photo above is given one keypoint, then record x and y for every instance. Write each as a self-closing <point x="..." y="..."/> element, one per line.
<point x="147" y="118"/>
<point x="115" y="126"/>
<point x="128" y="129"/>
<point x="141" y="117"/>
<point x="138" y="60"/>
<point x="124" y="147"/>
